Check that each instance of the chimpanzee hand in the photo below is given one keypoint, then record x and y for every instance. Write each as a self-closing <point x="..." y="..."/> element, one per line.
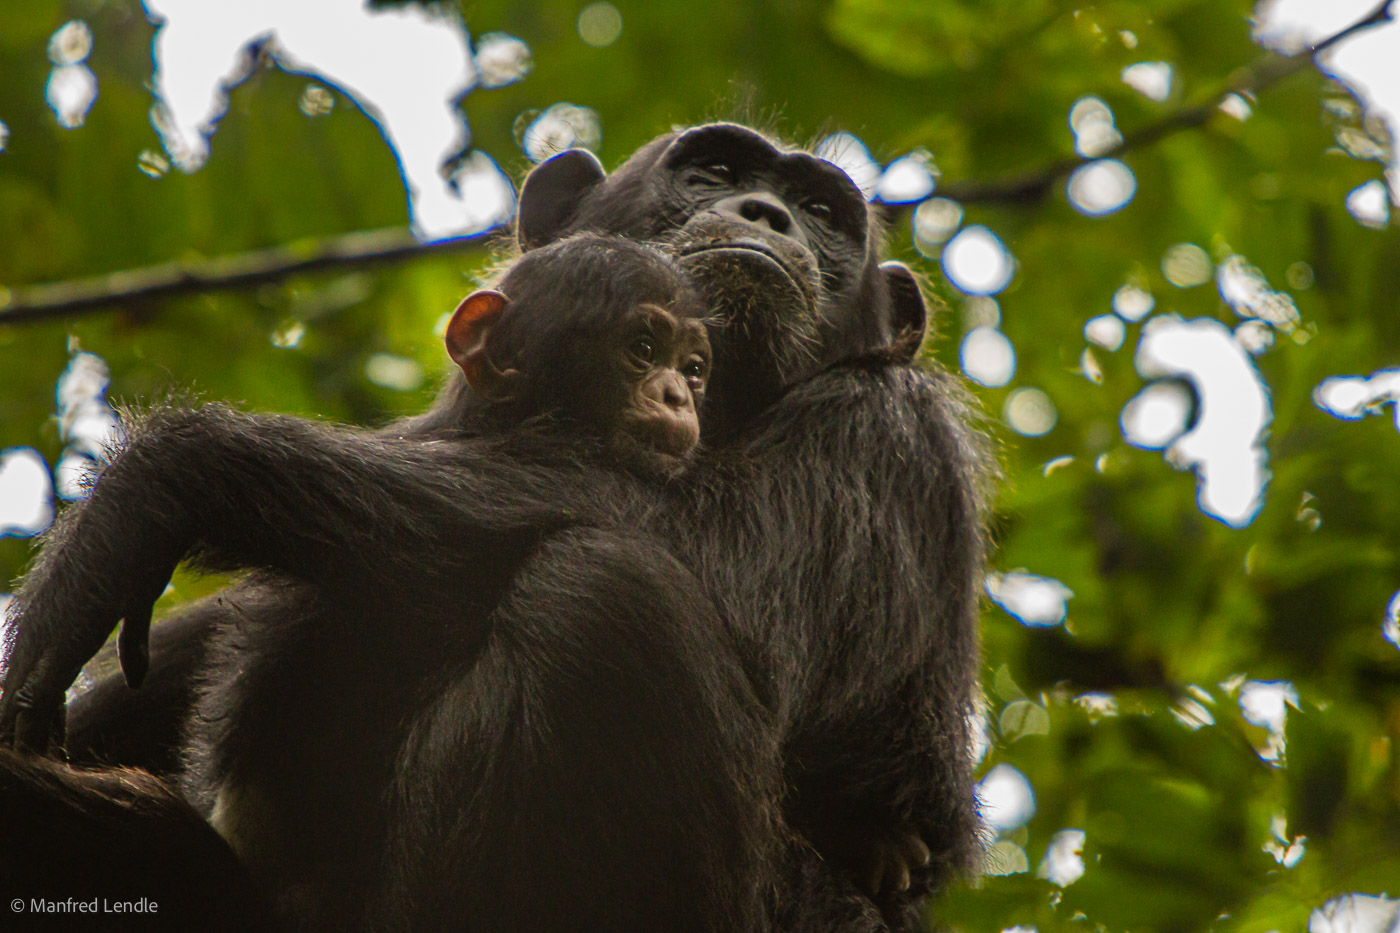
<point x="883" y="861"/>
<point x="68" y="606"/>
<point x="885" y="865"/>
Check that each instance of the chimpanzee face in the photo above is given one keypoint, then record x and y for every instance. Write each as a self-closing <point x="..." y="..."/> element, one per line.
<point x="659" y="364"/>
<point x="603" y="332"/>
<point x="780" y="244"/>
<point x="730" y="183"/>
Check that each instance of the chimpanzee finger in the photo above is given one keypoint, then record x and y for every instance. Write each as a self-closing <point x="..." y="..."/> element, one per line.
<point x="32" y="732"/>
<point x="133" y="645"/>
<point x="915" y="852"/>
<point x="36" y="719"/>
<point x="896" y="877"/>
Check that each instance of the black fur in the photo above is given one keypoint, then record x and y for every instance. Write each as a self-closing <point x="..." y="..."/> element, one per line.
<point x="711" y="703"/>
<point x="108" y="839"/>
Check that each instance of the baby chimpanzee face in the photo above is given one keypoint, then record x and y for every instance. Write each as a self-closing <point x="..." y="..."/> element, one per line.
<point x="602" y="331"/>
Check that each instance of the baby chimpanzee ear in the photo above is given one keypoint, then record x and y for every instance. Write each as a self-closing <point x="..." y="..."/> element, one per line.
<point x="466" y="343"/>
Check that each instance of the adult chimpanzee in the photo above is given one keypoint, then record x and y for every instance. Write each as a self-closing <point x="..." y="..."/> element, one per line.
<point x="824" y="555"/>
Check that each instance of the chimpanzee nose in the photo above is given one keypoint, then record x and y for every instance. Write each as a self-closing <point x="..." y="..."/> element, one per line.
<point x="766" y="210"/>
<point x="761" y="207"/>
<point x="675" y="393"/>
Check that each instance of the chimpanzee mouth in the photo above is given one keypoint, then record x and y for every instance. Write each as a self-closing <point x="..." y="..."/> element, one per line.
<point x="743" y="245"/>
<point x="745" y="250"/>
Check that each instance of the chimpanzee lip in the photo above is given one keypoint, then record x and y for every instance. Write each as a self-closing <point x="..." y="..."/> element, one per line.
<point x="746" y="246"/>
<point x="754" y="246"/>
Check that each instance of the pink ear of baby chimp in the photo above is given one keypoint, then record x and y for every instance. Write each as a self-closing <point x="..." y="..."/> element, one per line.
<point x="466" y="343"/>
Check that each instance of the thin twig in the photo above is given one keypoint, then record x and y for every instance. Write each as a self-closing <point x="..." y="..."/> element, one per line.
<point x="1032" y="186"/>
<point x="240" y="270"/>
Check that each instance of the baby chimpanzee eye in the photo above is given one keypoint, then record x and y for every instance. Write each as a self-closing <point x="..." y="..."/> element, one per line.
<point x="644" y="349"/>
<point x="696" y="371"/>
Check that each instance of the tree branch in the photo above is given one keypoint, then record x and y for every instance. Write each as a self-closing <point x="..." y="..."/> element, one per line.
<point x="1270" y="69"/>
<point x="357" y="250"/>
<point x="241" y="270"/>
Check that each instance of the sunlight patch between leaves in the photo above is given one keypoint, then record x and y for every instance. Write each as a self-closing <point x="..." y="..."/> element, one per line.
<point x="1036" y="601"/>
<point x="1226" y="445"/>
<point x="26" y="493"/>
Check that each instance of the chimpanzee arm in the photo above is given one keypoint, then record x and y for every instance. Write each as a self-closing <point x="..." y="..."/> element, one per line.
<point x="859" y="576"/>
<point x="334" y="505"/>
<point x="887" y="738"/>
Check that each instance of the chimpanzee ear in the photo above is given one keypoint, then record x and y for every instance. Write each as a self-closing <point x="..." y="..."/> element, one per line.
<point x="908" y="313"/>
<point x="551" y="195"/>
<point x="467" y="331"/>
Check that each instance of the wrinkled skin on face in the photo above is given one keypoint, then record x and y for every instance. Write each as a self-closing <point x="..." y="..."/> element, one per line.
<point x="781" y="244"/>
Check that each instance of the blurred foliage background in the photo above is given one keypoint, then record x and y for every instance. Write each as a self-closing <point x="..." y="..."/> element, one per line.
<point x="1204" y="735"/>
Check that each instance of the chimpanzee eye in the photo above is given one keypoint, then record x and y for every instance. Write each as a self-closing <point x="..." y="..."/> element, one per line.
<point x="713" y="172"/>
<point x="721" y="170"/>
<point x="695" y="371"/>
<point x="643" y="349"/>
<point x="818" y="209"/>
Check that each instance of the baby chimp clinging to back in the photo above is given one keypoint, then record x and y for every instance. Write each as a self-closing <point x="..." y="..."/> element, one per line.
<point x="586" y="366"/>
<point x="589" y="355"/>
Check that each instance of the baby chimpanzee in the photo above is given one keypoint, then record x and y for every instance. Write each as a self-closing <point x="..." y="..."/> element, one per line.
<point x="372" y="617"/>
<point x="599" y="331"/>
<point x="586" y="369"/>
